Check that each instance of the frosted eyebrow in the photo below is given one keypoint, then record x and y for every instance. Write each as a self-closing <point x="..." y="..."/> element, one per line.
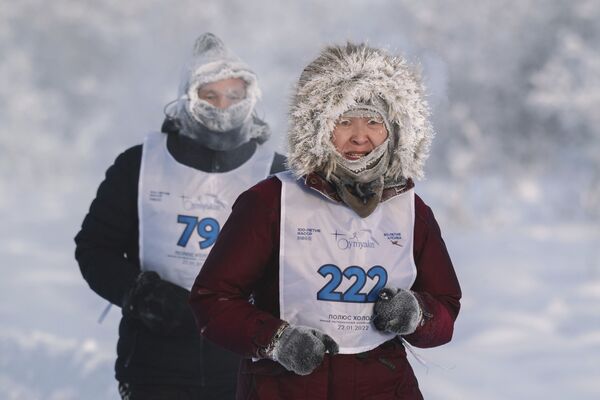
<point x="342" y="120"/>
<point x="376" y="118"/>
<point x="206" y="91"/>
<point x="236" y="92"/>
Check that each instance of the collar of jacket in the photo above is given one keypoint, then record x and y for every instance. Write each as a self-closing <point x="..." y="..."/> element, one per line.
<point x="192" y="154"/>
<point x="325" y="188"/>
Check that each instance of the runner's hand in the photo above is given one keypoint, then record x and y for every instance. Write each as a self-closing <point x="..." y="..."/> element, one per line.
<point x="301" y="349"/>
<point x="160" y="305"/>
<point x="397" y="311"/>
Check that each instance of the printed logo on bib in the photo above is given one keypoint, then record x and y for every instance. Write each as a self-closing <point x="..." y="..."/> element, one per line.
<point x="206" y="201"/>
<point x="362" y="240"/>
<point x="157" y="195"/>
<point x="306" y="233"/>
<point x="352" y="284"/>
<point x="394" y="238"/>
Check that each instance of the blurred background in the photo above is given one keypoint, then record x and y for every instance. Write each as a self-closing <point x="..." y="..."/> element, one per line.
<point x="514" y="174"/>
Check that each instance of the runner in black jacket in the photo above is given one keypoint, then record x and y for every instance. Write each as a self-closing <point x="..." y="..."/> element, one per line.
<point x="212" y="130"/>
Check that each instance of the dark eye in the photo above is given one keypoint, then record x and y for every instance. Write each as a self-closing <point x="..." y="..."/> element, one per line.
<point x="373" y="121"/>
<point x="344" y="122"/>
<point x="207" y="96"/>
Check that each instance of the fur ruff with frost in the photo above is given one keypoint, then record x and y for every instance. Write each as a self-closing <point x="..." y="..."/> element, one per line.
<point x="340" y="78"/>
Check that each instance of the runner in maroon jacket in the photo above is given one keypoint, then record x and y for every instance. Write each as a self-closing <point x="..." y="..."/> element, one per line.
<point x="342" y="260"/>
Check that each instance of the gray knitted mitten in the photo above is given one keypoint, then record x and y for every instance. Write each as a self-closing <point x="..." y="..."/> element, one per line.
<point x="301" y="349"/>
<point x="397" y="311"/>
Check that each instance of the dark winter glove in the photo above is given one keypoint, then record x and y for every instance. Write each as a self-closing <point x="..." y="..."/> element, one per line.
<point x="301" y="349"/>
<point x="160" y="305"/>
<point x="397" y="311"/>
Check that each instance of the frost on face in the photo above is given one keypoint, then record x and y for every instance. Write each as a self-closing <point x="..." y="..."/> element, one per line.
<point x="220" y="120"/>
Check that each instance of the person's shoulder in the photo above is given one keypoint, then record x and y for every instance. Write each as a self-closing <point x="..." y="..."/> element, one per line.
<point x="422" y="210"/>
<point x="131" y="154"/>
<point x="267" y="188"/>
<point x="265" y="194"/>
<point x="127" y="164"/>
<point x="134" y="153"/>
<point x="131" y="158"/>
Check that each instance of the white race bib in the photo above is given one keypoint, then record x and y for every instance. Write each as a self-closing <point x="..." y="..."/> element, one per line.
<point x="334" y="263"/>
<point x="181" y="209"/>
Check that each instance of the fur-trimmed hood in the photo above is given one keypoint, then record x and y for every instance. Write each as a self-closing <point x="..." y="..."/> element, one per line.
<point x="212" y="61"/>
<point x="217" y="129"/>
<point x="338" y="79"/>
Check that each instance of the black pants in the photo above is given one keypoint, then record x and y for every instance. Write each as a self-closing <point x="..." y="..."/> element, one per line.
<point x="129" y="391"/>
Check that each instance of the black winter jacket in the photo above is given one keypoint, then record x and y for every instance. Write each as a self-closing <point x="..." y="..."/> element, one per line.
<point x="108" y="255"/>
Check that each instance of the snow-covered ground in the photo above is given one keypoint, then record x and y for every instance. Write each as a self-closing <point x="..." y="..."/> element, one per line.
<point x="514" y="176"/>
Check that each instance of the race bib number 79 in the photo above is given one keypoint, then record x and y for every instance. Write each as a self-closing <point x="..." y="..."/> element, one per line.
<point x="207" y="229"/>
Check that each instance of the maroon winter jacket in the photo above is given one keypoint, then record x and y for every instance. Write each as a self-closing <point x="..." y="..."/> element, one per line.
<point x="244" y="262"/>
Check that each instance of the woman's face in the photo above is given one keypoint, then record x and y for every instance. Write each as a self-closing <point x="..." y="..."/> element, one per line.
<point x="224" y="93"/>
<point x="355" y="137"/>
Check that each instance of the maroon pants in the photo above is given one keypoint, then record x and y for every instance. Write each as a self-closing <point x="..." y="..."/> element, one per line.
<point x="382" y="373"/>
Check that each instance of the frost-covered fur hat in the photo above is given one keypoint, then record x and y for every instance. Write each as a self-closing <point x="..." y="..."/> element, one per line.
<point x="341" y="78"/>
<point x="212" y="61"/>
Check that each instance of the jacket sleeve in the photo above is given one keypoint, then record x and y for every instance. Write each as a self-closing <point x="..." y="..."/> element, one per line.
<point x="436" y="286"/>
<point x="244" y="256"/>
<point x="106" y="245"/>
